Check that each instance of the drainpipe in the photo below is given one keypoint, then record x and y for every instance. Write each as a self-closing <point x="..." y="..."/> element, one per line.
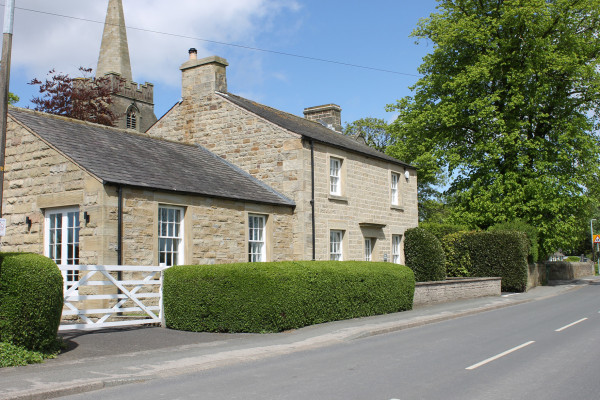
<point x="120" y="229"/>
<point x="312" y="196"/>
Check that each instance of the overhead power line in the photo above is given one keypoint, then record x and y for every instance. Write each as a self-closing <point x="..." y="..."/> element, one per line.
<point x="281" y="53"/>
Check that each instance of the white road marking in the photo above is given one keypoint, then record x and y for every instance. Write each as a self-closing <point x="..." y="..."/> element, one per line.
<point x="472" y="367"/>
<point x="570" y="325"/>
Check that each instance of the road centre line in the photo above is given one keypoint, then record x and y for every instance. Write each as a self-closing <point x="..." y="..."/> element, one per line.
<point x="570" y="325"/>
<point x="472" y="367"/>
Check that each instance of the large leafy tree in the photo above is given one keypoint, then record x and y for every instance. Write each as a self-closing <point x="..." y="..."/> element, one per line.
<point x="81" y="98"/>
<point x="508" y="108"/>
<point x="374" y="132"/>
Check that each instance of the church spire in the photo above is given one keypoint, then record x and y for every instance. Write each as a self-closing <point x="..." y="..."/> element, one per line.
<point x="114" y="51"/>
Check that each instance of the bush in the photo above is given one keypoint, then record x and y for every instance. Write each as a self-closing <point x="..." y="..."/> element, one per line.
<point x="488" y="254"/>
<point x="31" y="300"/>
<point x="522" y="226"/>
<point x="441" y="230"/>
<point x="424" y="255"/>
<point x="458" y="259"/>
<point x="14" y="356"/>
<point x="272" y="297"/>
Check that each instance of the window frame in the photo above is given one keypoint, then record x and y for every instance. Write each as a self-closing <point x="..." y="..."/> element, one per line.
<point x="261" y="241"/>
<point x="69" y="236"/>
<point x="176" y="241"/>
<point x="337" y="177"/>
<point x="396" y="249"/>
<point x="395" y="189"/>
<point x="369" y="249"/>
<point x="336" y="253"/>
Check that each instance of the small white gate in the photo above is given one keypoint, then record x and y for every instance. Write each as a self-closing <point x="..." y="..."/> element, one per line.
<point x="133" y="301"/>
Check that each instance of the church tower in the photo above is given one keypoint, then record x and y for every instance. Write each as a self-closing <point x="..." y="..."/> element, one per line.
<point x="133" y="103"/>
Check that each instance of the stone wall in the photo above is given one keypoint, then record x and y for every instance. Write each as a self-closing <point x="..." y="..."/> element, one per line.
<point x="38" y="178"/>
<point x="536" y="276"/>
<point x="558" y="271"/>
<point x="364" y="209"/>
<point x="429" y="293"/>
<point x="282" y="160"/>
<point x="215" y="230"/>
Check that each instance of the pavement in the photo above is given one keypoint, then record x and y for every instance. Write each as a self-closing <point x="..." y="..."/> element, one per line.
<point x="110" y="357"/>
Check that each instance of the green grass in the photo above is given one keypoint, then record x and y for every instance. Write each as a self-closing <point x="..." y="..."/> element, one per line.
<point x="14" y="356"/>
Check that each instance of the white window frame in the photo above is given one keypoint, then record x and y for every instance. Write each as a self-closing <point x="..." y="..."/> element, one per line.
<point x="67" y="231"/>
<point x="394" y="188"/>
<point x="335" y="176"/>
<point x="170" y="235"/>
<point x="396" y="246"/>
<point x="257" y="238"/>
<point x="336" y="245"/>
<point x="368" y="249"/>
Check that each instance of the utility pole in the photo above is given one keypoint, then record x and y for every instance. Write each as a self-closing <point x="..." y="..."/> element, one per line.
<point x="9" y="14"/>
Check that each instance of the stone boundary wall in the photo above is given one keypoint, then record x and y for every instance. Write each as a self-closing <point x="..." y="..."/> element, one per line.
<point x="536" y="275"/>
<point x="560" y="270"/>
<point x="428" y="293"/>
<point x="541" y="273"/>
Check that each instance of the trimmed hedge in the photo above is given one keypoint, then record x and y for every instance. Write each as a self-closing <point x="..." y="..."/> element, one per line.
<point x="31" y="300"/>
<point x="488" y="254"/>
<point x="424" y="255"/>
<point x="441" y="230"/>
<point x="522" y="226"/>
<point x="272" y="297"/>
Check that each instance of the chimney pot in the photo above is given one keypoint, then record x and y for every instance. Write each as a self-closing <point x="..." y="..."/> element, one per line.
<point x="193" y="54"/>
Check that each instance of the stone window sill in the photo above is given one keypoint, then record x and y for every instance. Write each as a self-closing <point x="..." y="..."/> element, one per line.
<point x="398" y="208"/>
<point x="342" y="199"/>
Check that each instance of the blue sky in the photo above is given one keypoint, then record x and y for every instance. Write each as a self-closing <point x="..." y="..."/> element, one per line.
<point x="375" y="34"/>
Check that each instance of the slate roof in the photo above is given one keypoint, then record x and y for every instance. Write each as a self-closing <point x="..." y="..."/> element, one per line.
<point x="120" y="157"/>
<point x="309" y="129"/>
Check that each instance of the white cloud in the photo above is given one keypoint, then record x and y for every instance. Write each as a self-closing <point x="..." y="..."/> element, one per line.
<point x="42" y="41"/>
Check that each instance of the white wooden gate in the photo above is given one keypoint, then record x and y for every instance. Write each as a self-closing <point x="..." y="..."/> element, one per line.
<point x="94" y="298"/>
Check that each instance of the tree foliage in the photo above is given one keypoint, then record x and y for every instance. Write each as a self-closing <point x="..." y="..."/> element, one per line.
<point x="374" y="131"/>
<point x="83" y="98"/>
<point x="508" y="108"/>
<point x="13" y="98"/>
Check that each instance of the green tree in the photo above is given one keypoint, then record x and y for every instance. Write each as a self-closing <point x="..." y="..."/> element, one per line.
<point x="508" y="108"/>
<point x="374" y="131"/>
<point x="13" y="98"/>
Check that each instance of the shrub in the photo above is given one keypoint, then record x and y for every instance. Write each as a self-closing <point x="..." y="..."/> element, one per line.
<point x="522" y="226"/>
<point x="31" y="300"/>
<point x="458" y="259"/>
<point x="499" y="253"/>
<point x="441" y="230"/>
<point x="271" y="297"/>
<point x="14" y="356"/>
<point x="424" y="255"/>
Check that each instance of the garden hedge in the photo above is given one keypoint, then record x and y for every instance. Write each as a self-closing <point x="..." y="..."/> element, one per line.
<point x="488" y="254"/>
<point x="31" y="300"/>
<point x="424" y="255"/>
<point x="522" y="226"/>
<point x="272" y="297"/>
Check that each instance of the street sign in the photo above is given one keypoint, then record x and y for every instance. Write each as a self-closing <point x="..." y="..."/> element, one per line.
<point x="596" y="238"/>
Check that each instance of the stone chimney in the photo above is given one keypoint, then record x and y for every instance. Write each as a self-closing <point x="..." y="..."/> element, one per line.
<point x="329" y="115"/>
<point x="204" y="76"/>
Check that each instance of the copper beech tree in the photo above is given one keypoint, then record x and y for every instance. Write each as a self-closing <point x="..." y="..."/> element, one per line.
<point x="83" y="98"/>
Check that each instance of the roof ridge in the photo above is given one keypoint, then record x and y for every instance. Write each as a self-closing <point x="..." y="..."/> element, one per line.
<point x="309" y="129"/>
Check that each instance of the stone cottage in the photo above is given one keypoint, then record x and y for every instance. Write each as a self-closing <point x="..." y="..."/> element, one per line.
<point x="352" y="202"/>
<point x="82" y="193"/>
